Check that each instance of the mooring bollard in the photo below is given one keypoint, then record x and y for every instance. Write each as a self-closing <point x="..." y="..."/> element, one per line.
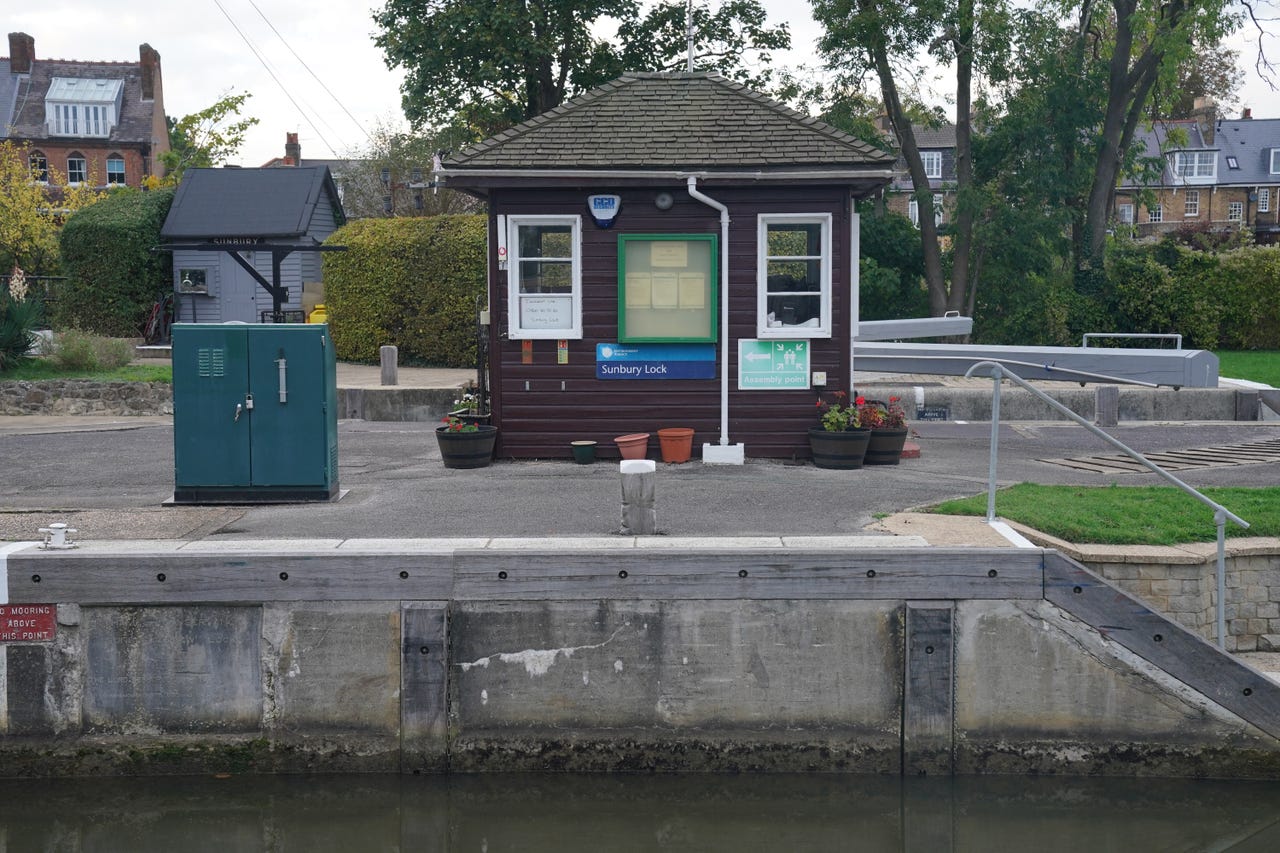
<point x="639" y="517"/>
<point x="390" y="368"/>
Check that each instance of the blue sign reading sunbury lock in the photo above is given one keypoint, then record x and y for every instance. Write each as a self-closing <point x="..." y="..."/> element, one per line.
<point x="655" y="361"/>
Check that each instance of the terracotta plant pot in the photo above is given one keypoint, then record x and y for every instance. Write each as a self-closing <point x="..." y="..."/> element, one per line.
<point x="840" y="450"/>
<point x="634" y="445"/>
<point x="676" y="444"/>
<point x="466" y="449"/>
<point x="885" y="446"/>
<point x="584" y="452"/>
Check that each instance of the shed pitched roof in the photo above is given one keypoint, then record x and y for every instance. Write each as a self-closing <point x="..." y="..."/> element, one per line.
<point x="662" y="121"/>
<point x="248" y="203"/>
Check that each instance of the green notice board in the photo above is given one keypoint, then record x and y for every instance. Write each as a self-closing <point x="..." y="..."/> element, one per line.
<point x="772" y="365"/>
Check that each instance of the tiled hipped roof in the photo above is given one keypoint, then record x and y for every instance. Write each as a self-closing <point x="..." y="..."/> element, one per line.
<point x="664" y="121"/>
<point x="134" y="123"/>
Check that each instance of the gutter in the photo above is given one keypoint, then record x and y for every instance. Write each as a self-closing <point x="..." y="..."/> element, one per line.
<point x="676" y="175"/>
<point x="724" y="453"/>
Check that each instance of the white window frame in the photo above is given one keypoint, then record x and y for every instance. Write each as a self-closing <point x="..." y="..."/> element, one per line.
<point x="1235" y="211"/>
<point x="514" y="328"/>
<point x="1275" y="161"/>
<point x="763" y="221"/>
<point x="913" y="211"/>
<point x="111" y="160"/>
<point x="1155" y="213"/>
<point x="1195" y="166"/>
<point x="1125" y="213"/>
<point x="932" y="164"/>
<point x="84" y="170"/>
<point x="1191" y="203"/>
<point x="1264" y="200"/>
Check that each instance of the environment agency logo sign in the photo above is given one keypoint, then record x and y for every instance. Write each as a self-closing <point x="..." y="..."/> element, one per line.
<point x="772" y="365"/>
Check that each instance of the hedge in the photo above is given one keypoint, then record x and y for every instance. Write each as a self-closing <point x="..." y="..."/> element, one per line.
<point x="411" y="282"/>
<point x="113" y="277"/>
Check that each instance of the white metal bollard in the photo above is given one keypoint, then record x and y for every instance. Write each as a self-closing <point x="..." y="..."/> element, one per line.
<point x="55" y="537"/>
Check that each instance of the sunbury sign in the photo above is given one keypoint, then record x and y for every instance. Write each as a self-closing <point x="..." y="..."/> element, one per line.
<point x="655" y="361"/>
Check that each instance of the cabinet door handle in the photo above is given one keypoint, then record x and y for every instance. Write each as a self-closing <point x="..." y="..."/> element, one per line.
<point x="239" y="409"/>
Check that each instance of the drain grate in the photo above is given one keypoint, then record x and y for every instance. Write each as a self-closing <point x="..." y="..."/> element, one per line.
<point x="1219" y="456"/>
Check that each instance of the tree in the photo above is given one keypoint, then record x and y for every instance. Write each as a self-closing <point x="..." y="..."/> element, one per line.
<point x="406" y="159"/>
<point x="206" y="138"/>
<point x="489" y="64"/>
<point x="31" y="211"/>
<point x="880" y="39"/>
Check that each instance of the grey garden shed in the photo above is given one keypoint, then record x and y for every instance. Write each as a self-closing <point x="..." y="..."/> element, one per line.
<point x="240" y="235"/>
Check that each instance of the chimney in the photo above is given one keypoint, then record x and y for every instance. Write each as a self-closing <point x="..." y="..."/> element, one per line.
<point x="292" y="150"/>
<point x="1248" y="114"/>
<point x="22" y="52"/>
<point x="1205" y="113"/>
<point x="149" y="60"/>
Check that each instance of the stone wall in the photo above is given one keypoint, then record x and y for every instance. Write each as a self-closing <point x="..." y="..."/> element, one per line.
<point x="1181" y="583"/>
<point x="85" y="397"/>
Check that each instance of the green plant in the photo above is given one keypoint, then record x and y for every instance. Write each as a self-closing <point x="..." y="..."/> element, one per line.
<point x="82" y="351"/>
<point x="875" y="414"/>
<point x="18" y="318"/>
<point x="453" y="423"/>
<point x="837" y="416"/>
<point x="468" y="403"/>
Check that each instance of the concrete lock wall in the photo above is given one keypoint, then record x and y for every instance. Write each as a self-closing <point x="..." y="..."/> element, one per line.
<point x="897" y="661"/>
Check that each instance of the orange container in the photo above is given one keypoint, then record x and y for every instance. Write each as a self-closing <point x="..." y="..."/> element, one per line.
<point x="633" y="446"/>
<point x="676" y="443"/>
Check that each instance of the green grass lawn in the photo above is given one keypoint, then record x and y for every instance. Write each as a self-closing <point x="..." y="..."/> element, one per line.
<point x="38" y="369"/>
<point x="1126" y="515"/>
<point x="1254" y="365"/>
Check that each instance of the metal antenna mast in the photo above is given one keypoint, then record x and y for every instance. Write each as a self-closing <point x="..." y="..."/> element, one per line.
<point x="688" y="30"/>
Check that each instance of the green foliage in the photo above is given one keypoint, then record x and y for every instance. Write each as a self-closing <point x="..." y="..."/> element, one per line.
<point x="1130" y="515"/>
<point x="18" y="319"/>
<point x="82" y="352"/>
<point x="1246" y="293"/>
<point x="892" y="271"/>
<point x="37" y="369"/>
<point x="209" y="137"/>
<point x="113" y="276"/>
<point x="408" y="282"/>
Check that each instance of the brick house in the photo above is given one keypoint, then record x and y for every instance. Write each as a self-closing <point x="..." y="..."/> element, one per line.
<point x="938" y="151"/>
<point x="97" y="122"/>
<point x="1217" y="175"/>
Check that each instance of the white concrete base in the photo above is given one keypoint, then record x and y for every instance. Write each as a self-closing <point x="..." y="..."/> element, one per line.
<point x="724" y="454"/>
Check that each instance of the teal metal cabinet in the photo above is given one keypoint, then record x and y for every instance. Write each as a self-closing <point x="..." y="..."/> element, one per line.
<point x="255" y="413"/>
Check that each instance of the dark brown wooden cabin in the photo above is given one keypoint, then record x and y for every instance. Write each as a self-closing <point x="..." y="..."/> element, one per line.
<point x="557" y="291"/>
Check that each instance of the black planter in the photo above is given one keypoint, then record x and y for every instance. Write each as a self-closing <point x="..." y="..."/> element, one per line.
<point x="885" y="446"/>
<point x="466" y="449"/>
<point x="840" y="450"/>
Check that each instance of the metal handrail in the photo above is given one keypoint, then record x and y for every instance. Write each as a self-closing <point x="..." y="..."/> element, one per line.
<point x="1047" y="368"/>
<point x="1177" y="339"/>
<point x="1220" y="513"/>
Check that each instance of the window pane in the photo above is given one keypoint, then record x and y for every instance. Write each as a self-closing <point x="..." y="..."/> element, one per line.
<point x="794" y="276"/>
<point x="794" y="310"/>
<point x="798" y="240"/>
<point x="115" y="170"/>
<point x="546" y="241"/>
<point x="546" y="277"/>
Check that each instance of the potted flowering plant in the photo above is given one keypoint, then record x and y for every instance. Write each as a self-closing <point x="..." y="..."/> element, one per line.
<point x="841" y="440"/>
<point x="465" y="444"/>
<point x="888" y="424"/>
<point x="467" y="407"/>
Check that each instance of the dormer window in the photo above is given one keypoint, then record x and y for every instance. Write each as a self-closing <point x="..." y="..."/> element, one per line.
<point x="81" y="107"/>
<point x="1275" y="161"/>
<point x="1195" y="165"/>
<point x="932" y="163"/>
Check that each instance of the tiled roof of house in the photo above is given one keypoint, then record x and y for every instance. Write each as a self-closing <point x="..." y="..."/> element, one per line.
<point x="247" y="202"/>
<point x="1249" y="141"/>
<point x="666" y="121"/>
<point x="135" y="121"/>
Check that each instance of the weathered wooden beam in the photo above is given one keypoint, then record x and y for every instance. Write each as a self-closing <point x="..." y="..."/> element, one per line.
<point x="424" y="687"/>
<point x="927" y="695"/>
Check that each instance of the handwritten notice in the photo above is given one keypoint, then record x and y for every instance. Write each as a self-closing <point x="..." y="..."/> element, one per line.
<point x="546" y="312"/>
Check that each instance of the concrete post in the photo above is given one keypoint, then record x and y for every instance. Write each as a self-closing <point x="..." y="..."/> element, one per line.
<point x="390" y="367"/>
<point x="639" y="516"/>
<point x="1107" y="406"/>
<point x="1248" y="406"/>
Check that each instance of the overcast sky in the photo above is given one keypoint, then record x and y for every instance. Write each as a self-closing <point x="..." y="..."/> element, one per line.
<point x="204" y="56"/>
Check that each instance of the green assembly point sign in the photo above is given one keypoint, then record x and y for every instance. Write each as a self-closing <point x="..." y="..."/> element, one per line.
<point x="772" y="365"/>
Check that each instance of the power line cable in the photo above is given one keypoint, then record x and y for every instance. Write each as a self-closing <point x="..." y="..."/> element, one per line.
<point x="303" y="63"/>
<point x="257" y="54"/>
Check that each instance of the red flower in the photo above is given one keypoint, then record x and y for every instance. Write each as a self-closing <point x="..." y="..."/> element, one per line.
<point x="860" y="400"/>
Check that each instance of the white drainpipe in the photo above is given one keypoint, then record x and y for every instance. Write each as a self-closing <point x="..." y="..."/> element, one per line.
<point x="724" y="453"/>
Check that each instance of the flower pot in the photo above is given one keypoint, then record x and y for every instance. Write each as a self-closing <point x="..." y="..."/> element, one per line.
<point x="584" y="452"/>
<point x="676" y="444"/>
<point x="466" y="449"/>
<point x="840" y="450"/>
<point x="885" y="446"/>
<point x="634" y="445"/>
